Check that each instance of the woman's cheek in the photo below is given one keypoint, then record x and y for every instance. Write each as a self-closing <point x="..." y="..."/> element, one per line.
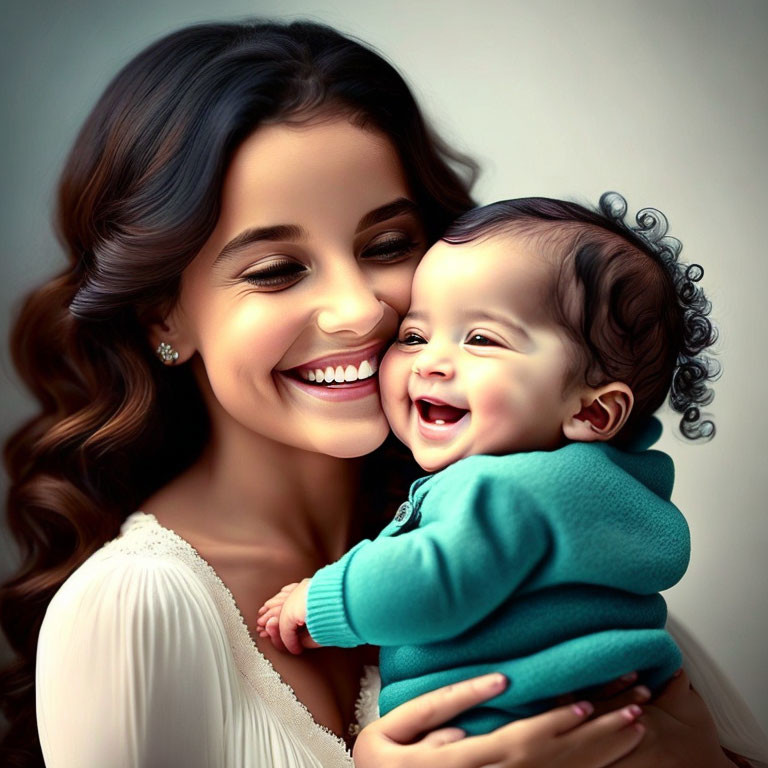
<point x="394" y="287"/>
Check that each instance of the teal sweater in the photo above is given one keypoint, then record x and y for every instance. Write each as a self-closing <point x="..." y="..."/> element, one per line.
<point x="544" y="566"/>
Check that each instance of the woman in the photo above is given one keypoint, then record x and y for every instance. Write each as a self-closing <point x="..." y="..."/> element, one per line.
<point x="244" y="207"/>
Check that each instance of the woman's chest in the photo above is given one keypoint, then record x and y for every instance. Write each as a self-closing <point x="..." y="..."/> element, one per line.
<point x="326" y="680"/>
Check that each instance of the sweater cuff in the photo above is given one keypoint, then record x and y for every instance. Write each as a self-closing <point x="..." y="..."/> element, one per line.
<point x="327" y="621"/>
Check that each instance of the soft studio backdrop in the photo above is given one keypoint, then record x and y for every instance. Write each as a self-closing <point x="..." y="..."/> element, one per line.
<point x="663" y="100"/>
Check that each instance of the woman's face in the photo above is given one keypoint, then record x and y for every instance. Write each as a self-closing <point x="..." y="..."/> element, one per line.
<point x="292" y="300"/>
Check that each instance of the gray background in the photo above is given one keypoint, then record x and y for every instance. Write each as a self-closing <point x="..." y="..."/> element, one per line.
<point x="664" y="101"/>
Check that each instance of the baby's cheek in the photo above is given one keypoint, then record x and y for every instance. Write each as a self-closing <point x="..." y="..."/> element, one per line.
<point x="493" y="398"/>
<point x="501" y="419"/>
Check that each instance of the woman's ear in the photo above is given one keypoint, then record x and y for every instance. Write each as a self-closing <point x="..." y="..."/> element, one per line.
<point x="169" y="337"/>
<point x="603" y="412"/>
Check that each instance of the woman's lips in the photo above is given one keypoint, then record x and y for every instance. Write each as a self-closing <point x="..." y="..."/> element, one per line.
<point x="353" y="390"/>
<point x="340" y="376"/>
<point x="339" y="369"/>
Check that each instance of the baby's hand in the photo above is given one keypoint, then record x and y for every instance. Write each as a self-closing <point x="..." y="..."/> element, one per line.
<point x="283" y="616"/>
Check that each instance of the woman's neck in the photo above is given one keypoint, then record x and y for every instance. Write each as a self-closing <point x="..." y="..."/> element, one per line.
<point x="246" y="488"/>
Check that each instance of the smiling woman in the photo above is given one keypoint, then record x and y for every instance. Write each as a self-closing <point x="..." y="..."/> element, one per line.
<point x="307" y="270"/>
<point x="247" y="203"/>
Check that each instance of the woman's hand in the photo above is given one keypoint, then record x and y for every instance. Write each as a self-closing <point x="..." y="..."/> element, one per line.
<point x="562" y="738"/>
<point x="680" y="732"/>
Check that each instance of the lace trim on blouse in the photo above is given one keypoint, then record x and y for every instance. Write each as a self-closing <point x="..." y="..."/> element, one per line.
<point x="141" y="533"/>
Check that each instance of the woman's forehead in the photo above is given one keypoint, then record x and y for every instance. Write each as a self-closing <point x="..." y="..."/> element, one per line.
<point x="328" y="171"/>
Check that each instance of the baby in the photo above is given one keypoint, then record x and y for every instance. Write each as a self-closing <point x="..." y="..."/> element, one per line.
<point x="540" y="340"/>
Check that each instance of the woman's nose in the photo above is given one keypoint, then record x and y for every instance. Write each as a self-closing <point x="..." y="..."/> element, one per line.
<point x="350" y="304"/>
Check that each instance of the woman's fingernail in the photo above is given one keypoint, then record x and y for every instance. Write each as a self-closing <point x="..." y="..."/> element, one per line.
<point x="632" y="712"/>
<point x="642" y="692"/>
<point x="677" y="672"/>
<point x="630" y="677"/>
<point x="582" y="708"/>
<point x="639" y="727"/>
<point x="496" y="680"/>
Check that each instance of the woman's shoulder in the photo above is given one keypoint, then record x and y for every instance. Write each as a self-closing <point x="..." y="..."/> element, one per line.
<point x="146" y="569"/>
<point x="133" y="640"/>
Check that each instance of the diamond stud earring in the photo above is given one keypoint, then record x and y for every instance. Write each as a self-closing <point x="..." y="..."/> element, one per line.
<point x="167" y="353"/>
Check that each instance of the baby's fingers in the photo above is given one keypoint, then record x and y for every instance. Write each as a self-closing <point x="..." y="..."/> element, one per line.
<point x="289" y="634"/>
<point x="278" y="599"/>
<point x="265" y="617"/>
<point x="273" y="632"/>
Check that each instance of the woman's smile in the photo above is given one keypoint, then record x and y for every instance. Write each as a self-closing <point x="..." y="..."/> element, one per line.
<point x="340" y="376"/>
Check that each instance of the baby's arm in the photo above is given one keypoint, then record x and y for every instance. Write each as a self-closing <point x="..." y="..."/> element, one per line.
<point x="477" y="541"/>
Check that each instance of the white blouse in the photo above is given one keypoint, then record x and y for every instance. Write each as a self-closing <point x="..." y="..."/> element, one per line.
<point x="144" y="661"/>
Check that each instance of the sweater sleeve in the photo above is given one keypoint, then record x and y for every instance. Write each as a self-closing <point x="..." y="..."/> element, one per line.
<point x="130" y="668"/>
<point x="478" y="539"/>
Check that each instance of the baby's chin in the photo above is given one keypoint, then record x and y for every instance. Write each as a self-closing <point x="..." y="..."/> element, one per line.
<point x="431" y="460"/>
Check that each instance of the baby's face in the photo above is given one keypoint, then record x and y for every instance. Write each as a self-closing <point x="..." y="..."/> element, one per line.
<point x="479" y="366"/>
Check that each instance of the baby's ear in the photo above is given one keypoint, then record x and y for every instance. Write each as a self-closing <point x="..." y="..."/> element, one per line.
<point x="169" y="328"/>
<point x="603" y="412"/>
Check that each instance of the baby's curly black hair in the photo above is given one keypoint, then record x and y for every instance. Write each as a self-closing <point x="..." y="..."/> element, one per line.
<point x="639" y="316"/>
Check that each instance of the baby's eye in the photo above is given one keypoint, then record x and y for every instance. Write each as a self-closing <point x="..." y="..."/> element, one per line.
<point x="480" y="340"/>
<point x="411" y="339"/>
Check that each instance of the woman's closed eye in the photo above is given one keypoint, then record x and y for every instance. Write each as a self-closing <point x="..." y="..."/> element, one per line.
<point x="390" y="249"/>
<point x="276" y="274"/>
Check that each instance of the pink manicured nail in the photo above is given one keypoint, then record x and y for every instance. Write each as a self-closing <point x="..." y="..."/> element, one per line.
<point x="630" y="677"/>
<point x="642" y="692"/>
<point x="582" y="708"/>
<point x="497" y="680"/>
<point x="677" y="672"/>
<point x="632" y="711"/>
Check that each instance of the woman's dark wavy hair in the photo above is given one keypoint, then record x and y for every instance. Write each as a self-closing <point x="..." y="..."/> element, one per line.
<point x="639" y="316"/>
<point x="138" y="197"/>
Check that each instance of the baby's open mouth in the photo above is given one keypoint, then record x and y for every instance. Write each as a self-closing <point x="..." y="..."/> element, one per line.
<point x="434" y="413"/>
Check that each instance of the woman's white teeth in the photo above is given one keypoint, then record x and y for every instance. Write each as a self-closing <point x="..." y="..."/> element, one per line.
<point x="340" y="374"/>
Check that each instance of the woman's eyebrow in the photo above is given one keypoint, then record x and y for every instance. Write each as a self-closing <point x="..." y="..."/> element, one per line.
<point x="388" y="211"/>
<point x="296" y="233"/>
<point x="258" y="234"/>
